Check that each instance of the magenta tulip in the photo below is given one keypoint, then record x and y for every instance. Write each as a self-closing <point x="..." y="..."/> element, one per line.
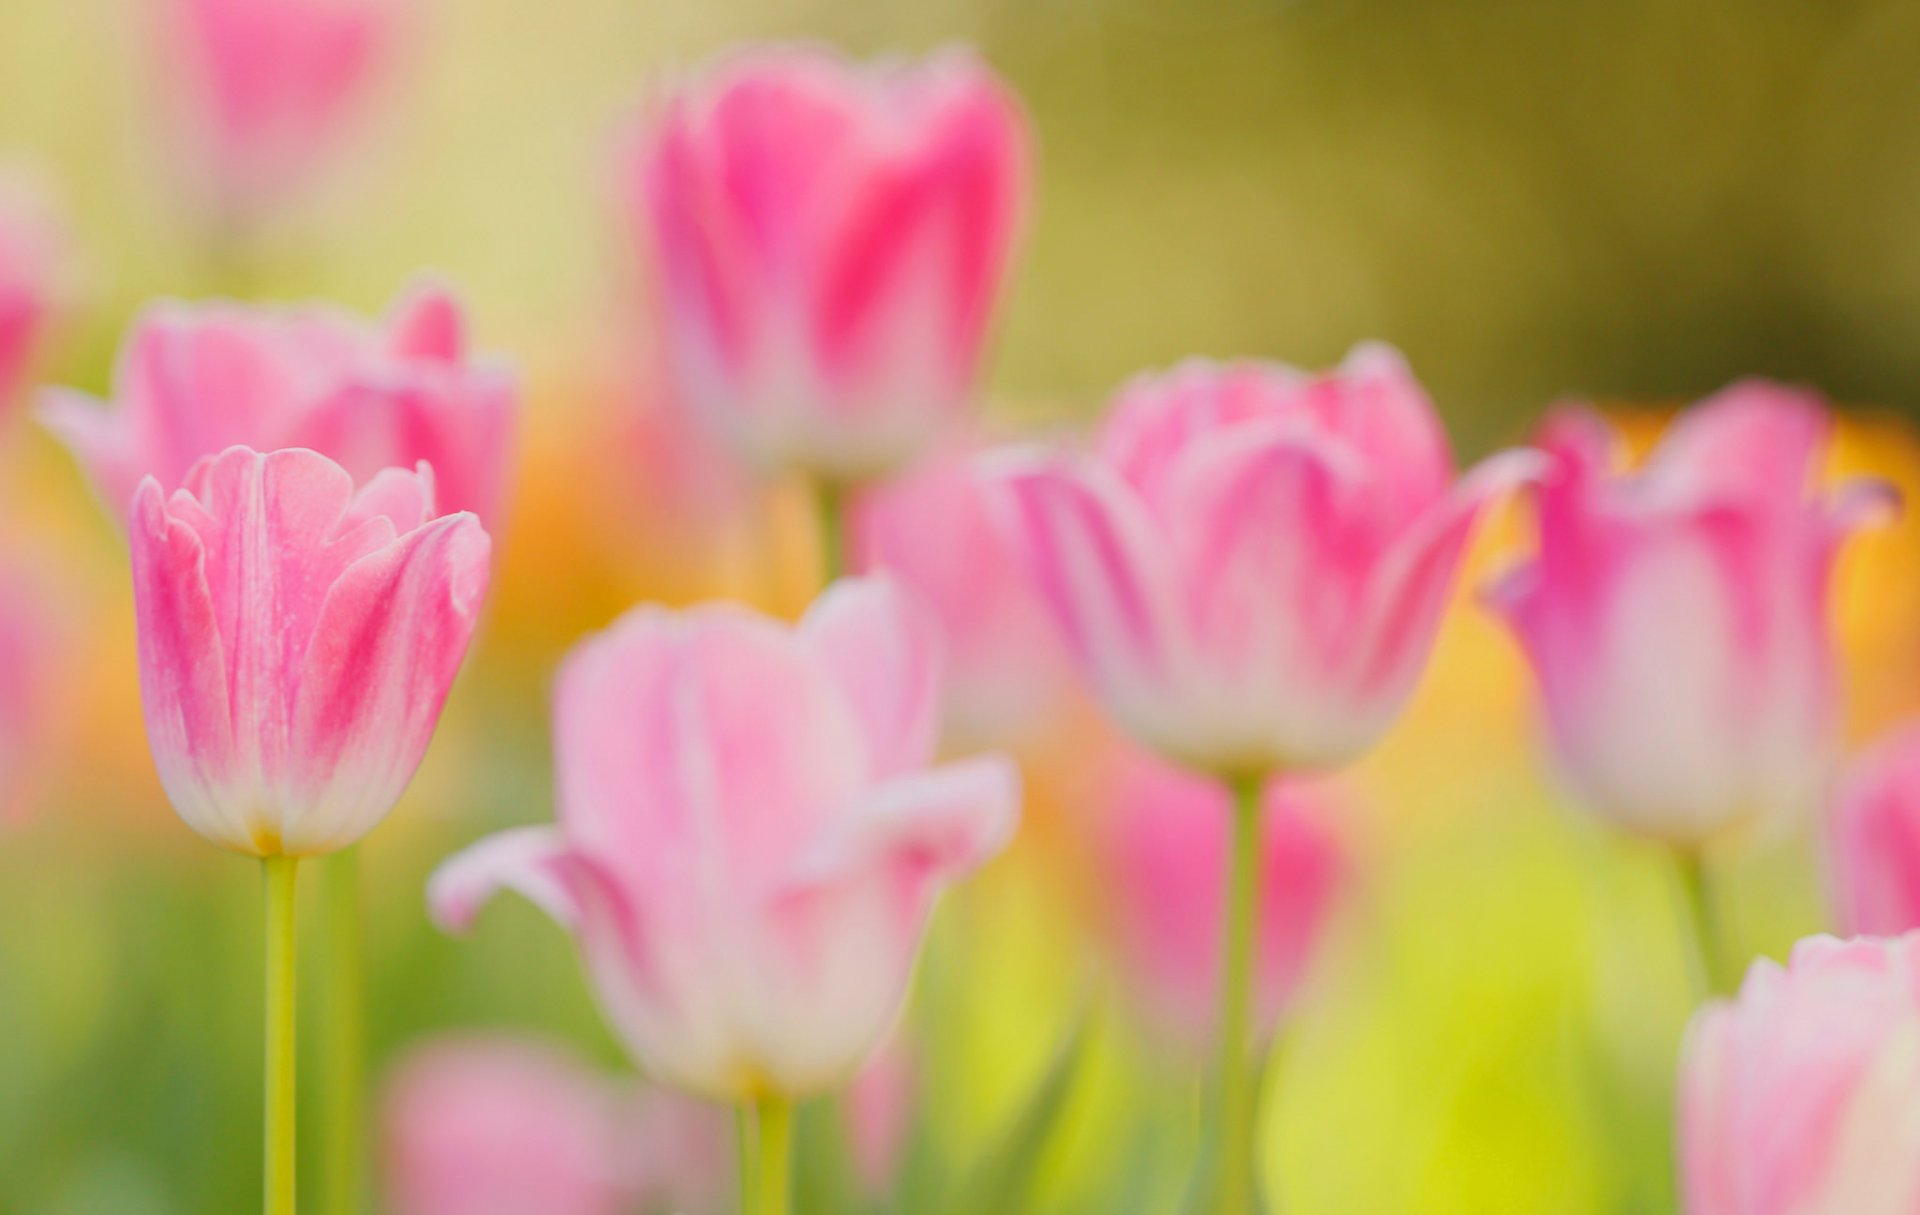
<point x="1874" y="838"/>
<point x="1252" y="565"/>
<point x="33" y="276"/>
<point x="297" y="640"/>
<point x="829" y="240"/>
<point x="269" y="92"/>
<point x="933" y="529"/>
<point x="195" y="380"/>
<point x="750" y="838"/>
<point x="1802" y="1096"/>
<point x="1162" y="855"/>
<point x="1678" y="619"/>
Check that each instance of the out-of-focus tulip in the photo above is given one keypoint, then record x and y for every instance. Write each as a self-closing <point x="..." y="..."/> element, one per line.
<point x="501" y="1126"/>
<point x="33" y="255"/>
<point x="1252" y="565"/>
<point x="1875" y="839"/>
<point x="1677" y="619"/>
<point x="28" y="676"/>
<point x="829" y="240"/>
<point x="195" y="380"/>
<point x="297" y="640"/>
<point x="1162" y="852"/>
<point x="750" y="839"/>
<point x="933" y="529"/>
<point x="269" y="90"/>
<point x="675" y="1154"/>
<point x="879" y="1115"/>
<point x="1802" y="1096"/>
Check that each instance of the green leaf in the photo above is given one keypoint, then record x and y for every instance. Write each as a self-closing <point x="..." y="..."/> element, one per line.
<point x="1001" y="1179"/>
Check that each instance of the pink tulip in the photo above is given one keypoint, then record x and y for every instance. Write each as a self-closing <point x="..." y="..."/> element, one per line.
<point x="750" y="838"/>
<point x="1252" y="565"/>
<point x="33" y="270"/>
<point x="1162" y="867"/>
<point x="934" y="530"/>
<point x="269" y="91"/>
<point x="1677" y="619"/>
<point x="878" y="1114"/>
<point x="674" y="1154"/>
<point x="829" y="241"/>
<point x="195" y="380"/>
<point x="1802" y="1096"/>
<point x="297" y="640"/>
<point x="499" y="1126"/>
<point x="29" y="675"/>
<point x="1875" y="839"/>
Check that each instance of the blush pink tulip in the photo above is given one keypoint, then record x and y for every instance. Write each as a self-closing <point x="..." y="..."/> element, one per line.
<point x="33" y="274"/>
<point x="297" y="640"/>
<point x="933" y="529"/>
<point x="878" y="1116"/>
<point x="269" y="91"/>
<point x="1802" y="1096"/>
<point x="1677" y="619"/>
<point x="750" y="838"/>
<point x="829" y="240"/>
<point x="195" y="380"/>
<point x="1874" y="839"/>
<point x="1162" y="867"/>
<point x="1252" y="564"/>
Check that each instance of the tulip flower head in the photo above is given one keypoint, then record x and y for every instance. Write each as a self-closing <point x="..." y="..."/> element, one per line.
<point x="195" y="380"/>
<point x="1677" y="619"/>
<point x="297" y="639"/>
<point x="1874" y="838"/>
<point x="1802" y="1095"/>
<point x="829" y="240"/>
<point x="750" y="837"/>
<point x="1252" y="564"/>
<point x="33" y="274"/>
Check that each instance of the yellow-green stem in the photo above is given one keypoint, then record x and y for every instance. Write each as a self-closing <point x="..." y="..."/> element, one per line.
<point x="343" y="1097"/>
<point x="1235" y="1072"/>
<point x="1706" y="959"/>
<point x="830" y="507"/>
<point x="774" y="1158"/>
<point x="282" y="1052"/>
<point x="745" y="1153"/>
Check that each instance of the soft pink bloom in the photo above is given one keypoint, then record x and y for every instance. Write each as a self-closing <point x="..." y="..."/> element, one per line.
<point x="1678" y="619"/>
<point x="675" y="1155"/>
<point x="879" y="1116"/>
<point x="1802" y="1096"/>
<point x="1875" y="839"/>
<point x="30" y="641"/>
<point x="195" y="380"/>
<point x="750" y="838"/>
<point x="33" y="276"/>
<point x="269" y="91"/>
<point x="1161" y="852"/>
<point x="933" y="528"/>
<point x="297" y="640"/>
<point x="1252" y="564"/>
<point x="829" y="240"/>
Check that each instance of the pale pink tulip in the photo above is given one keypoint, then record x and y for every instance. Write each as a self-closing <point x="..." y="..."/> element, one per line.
<point x="750" y="836"/>
<point x="1252" y="565"/>
<point x="1875" y="839"/>
<point x="1677" y="619"/>
<point x="933" y="529"/>
<point x="1161" y="849"/>
<point x="1802" y="1096"/>
<point x="268" y="92"/>
<point x="33" y="275"/>
<point x="878" y="1114"/>
<point x="829" y="240"/>
<point x="195" y="380"/>
<point x="675" y="1154"/>
<point x="297" y="640"/>
<point x="502" y="1126"/>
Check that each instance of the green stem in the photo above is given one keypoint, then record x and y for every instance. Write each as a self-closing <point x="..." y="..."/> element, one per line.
<point x="830" y="511"/>
<point x="1239" y="1056"/>
<point x="774" y="1185"/>
<point x="343" y="1142"/>
<point x="1707" y="960"/>
<point x="745" y="1151"/>
<point x="282" y="963"/>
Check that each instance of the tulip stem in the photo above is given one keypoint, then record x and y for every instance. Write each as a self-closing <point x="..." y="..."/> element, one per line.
<point x="282" y="964"/>
<point x="774" y="1166"/>
<point x="745" y="1153"/>
<point x="830" y="506"/>
<point x="1235" y="1175"/>
<point x="1706" y="959"/>
<point x="345" y="1045"/>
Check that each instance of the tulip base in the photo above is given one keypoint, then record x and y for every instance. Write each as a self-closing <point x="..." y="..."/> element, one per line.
<point x="282" y="1052"/>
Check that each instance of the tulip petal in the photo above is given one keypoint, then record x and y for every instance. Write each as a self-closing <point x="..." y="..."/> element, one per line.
<point x="536" y="862"/>
<point x="883" y="649"/>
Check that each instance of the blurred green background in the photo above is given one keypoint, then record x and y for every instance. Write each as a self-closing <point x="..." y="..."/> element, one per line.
<point x="1634" y="199"/>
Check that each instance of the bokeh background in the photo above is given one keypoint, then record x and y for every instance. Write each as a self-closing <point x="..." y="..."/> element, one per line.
<point x="1634" y="200"/>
